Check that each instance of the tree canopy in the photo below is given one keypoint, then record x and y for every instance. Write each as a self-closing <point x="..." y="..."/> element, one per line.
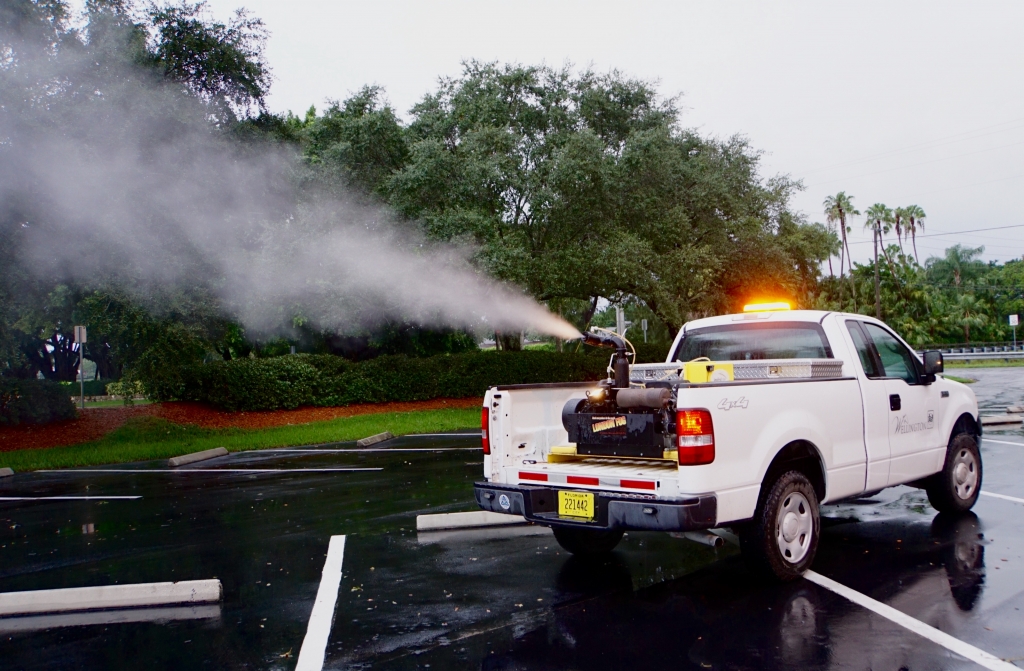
<point x="578" y="186"/>
<point x="220" y="63"/>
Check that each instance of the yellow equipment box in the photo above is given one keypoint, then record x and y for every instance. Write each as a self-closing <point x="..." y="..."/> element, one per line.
<point x="707" y="371"/>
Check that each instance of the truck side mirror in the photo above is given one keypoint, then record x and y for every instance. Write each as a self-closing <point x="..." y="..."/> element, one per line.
<point x="932" y="362"/>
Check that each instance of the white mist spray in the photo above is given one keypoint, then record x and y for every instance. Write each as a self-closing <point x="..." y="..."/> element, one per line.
<point x="126" y="178"/>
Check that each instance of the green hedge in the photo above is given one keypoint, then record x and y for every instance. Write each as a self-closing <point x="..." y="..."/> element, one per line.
<point x="324" y="380"/>
<point x="92" y="387"/>
<point x="650" y="352"/>
<point x="33" y="402"/>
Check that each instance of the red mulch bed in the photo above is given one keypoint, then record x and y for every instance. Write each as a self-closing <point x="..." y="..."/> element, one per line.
<point x="94" y="423"/>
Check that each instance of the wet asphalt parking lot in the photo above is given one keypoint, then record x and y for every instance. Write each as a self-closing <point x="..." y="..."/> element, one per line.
<point x="492" y="599"/>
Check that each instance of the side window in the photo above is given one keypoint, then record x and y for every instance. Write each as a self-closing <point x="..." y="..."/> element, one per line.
<point x="867" y="357"/>
<point x="897" y="360"/>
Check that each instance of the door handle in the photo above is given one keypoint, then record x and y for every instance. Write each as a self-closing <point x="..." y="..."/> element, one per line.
<point x="894" y="402"/>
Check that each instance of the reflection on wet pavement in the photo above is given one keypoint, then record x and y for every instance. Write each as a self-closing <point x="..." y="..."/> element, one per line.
<point x="507" y="598"/>
<point x="996" y="389"/>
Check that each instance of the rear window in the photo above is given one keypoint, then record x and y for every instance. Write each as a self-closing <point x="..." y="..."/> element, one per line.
<point x="745" y="342"/>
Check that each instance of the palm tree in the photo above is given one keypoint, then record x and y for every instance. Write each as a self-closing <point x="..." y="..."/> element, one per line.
<point x="969" y="312"/>
<point x="915" y="219"/>
<point x="959" y="265"/>
<point x="899" y="217"/>
<point x="837" y="208"/>
<point x="878" y="216"/>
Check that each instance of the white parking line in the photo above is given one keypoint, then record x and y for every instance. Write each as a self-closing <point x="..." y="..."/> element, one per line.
<point x="475" y="434"/>
<point x="69" y="498"/>
<point x="368" y="449"/>
<point x="1003" y="496"/>
<point x="965" y="650"/>
<point x="1001" y="442"/>
<point x="321" y="620"/>
<point x="210" y="470"/>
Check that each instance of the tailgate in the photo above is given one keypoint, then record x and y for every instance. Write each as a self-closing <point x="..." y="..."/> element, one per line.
<point x="659" y="478"/>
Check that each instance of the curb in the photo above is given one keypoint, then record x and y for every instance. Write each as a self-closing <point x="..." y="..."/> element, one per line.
<point x="111" y="596"/>
<point x="987" y="420"/>
<point x="6" y="472"/>
<point x="374" y="439"/>
<point x="477" y="518"/>
<point x="197" y="456"/>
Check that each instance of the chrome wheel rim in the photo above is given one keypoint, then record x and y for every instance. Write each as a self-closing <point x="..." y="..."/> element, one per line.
<point x="965" y="474"/>
<point x="794" y="526"/>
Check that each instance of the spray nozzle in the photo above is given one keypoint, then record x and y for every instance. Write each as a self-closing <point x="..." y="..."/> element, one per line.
<point x="603" y="340"/>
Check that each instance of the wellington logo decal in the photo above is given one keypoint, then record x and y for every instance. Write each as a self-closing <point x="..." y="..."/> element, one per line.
<point x="901" y="425"/>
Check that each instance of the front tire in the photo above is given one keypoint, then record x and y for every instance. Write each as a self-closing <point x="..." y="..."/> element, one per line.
<point x="956" y="488"/>
<point x="587" y="542"/>
<point x="782" y="539"/>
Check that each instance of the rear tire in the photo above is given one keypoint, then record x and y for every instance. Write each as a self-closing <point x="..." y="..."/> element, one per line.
<point x="956" y="488"/>
<point x="587" y="542"/>
<point x="782" y="539"/>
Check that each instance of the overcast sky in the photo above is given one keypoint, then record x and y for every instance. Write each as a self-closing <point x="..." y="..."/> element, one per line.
<point x="900" y="103"/>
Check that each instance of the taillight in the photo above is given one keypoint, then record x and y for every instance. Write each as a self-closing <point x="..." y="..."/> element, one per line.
<point x="696" y="437"/>
<point x="485" y="426"/>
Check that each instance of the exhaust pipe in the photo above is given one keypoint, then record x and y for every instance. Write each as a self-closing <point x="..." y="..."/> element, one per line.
<point x="702" y="537"/>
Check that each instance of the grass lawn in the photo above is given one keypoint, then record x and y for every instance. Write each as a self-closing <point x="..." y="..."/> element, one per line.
<point x="985" y="363"/>
<point x="111" y="404"/>
<point x="151" y="438"/>
<point x="963" y="380"/>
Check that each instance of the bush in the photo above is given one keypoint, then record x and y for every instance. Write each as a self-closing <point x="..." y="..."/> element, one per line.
<point x="651" y="352"/>
<point x="326" y="380"/>
<point x="645" y="353"/>
<point x="166" y="369"/>
<point x="33" y="402"/>
<point x="126" y="389"/>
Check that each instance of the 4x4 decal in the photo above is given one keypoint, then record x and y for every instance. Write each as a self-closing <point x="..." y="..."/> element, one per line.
<point x="726" y="404"/>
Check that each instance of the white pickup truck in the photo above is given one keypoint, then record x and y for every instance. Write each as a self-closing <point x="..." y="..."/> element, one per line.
<point x="754" y="421"/>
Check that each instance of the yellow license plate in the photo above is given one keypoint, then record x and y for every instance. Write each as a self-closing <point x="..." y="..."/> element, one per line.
<point x="576" y="504"/>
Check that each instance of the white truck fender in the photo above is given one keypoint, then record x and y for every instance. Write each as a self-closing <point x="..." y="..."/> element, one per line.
<point x="795" y="426"/>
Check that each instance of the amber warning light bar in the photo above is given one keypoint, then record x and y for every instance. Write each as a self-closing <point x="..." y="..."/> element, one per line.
<point x="766" y="307"/>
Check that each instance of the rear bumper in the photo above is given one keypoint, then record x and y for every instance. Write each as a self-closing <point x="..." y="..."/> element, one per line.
<point x="613" y="510"/>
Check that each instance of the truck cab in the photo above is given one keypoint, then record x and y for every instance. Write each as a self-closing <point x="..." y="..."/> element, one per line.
<point x="752" y="422"/>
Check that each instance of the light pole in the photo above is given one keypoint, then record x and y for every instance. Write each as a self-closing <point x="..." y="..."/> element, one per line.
<point x="80" y="336"/>
<point x="621" y="325"/>
<point x="877" y="231"/>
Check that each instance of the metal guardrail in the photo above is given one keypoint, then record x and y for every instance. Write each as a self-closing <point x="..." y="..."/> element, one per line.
<point x="981" y="351"/>
<point x="986" y="345"/>
<point x="969" y="356"/>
